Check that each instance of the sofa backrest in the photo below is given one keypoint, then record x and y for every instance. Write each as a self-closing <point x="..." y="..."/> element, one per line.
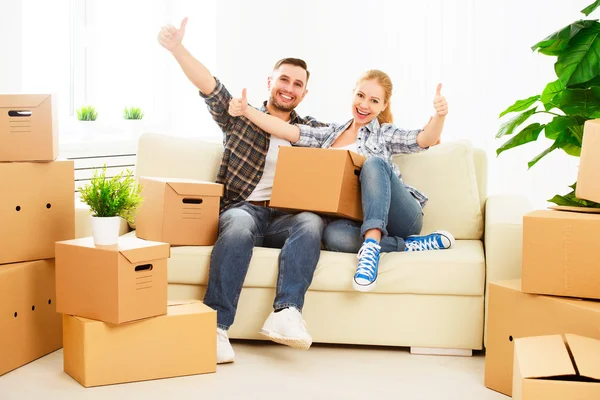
<point x="453" y="175"/>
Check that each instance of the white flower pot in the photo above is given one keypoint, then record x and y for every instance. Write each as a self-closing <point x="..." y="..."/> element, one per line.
<point x="106" y="230"/>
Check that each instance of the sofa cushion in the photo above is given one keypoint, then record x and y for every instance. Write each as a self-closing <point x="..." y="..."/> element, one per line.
<point x="446" y="174"/>
<point x="457" y="271"/>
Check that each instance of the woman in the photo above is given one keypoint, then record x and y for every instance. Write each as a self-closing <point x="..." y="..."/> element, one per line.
<point x="392" y="210"/>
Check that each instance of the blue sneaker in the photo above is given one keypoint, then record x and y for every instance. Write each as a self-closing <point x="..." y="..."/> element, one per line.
<point x="365" y="277"/>
<point x="438" y="240"/>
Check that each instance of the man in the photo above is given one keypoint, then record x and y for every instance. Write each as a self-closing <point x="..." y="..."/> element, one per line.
<point x="247" y="170"/>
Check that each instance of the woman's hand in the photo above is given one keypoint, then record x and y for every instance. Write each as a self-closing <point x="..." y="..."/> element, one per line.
<point x="439" y="102"/>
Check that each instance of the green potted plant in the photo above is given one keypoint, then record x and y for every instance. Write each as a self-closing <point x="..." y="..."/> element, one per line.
<point x="87" y="113"/>
<point x="110" y="199"/>
<point x="566" y="103"/>
<point x="133" y="113"/>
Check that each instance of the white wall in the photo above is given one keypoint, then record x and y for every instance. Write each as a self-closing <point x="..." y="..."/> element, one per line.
<point x="480" y="51"/>
<point x="11" y="42"/>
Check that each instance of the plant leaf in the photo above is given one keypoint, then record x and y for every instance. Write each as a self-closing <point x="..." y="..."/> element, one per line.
<point x="569" y="142"/>
<point x="509" y="126"/>
<point x="520" y="105"/>
<point x="558" y="41"/>
<point x="582" y="102"/>
<point x="551" y="91"/>
<point x="571" y="200"/>
<point x="528" y="134"/>
<point x="541" y="155"/>
<point x="589" y="9"/>
<point x="560" y="124"/>
<point x="581" y="62"/>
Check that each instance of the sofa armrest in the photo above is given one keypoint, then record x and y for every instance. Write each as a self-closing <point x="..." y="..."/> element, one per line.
<point x="83" y="224"/>
<point x="503" y="239"/>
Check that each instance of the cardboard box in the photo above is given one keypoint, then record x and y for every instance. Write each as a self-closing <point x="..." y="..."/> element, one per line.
<point x="30" y="327"/>
<point x="183" y="342"/>
<point x="588" y="176"/>
<point x="37" y="208"/>
<point x="325" y="181"/>
<point x="561" y="254"/>
<point x="28" y="127"/>
<point x="179" y="211"/>
<point x="513" y="314"/>
<point x="116" y="284"/>
<point x="544" y="370"/>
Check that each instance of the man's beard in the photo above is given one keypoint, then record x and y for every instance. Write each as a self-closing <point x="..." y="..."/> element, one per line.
<point x="281" y="107"/>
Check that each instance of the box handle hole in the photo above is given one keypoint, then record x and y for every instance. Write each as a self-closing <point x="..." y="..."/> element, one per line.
<point x="144" y="267"/>
<point x="510" y="338"/>
<point x="18" y="208"/>
<point x="15" y="314"/>
<point x="48" y="206"/>
<point x="191" y="201"/>
<point x="19" y="113"/>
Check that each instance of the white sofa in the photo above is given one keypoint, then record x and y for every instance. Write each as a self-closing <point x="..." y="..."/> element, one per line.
<point x="430" y="299"/>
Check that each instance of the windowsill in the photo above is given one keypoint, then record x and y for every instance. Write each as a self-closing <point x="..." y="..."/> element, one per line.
<point x="73" y="131"/>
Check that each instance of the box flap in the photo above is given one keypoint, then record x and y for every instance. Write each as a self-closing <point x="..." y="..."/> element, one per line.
<point x="22" y="100"/>
<point x="543" y="357"/>
<point x="196" y="188"/>
<point x="137" y="250"/>
<point x="357" y="159"/>
<point x="586" y="353"/>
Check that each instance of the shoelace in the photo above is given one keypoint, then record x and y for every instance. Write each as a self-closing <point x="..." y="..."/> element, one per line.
<point x="424" y="243"/>
<point x="368" y="260"/>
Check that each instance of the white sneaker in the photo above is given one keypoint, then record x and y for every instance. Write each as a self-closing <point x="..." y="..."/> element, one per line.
<point x="225" y="353"/>
<point x="288" y="328"/>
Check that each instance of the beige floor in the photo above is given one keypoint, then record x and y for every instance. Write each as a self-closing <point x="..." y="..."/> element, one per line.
<point x="269" y="371"/>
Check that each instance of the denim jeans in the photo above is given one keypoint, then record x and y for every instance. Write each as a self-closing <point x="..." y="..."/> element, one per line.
<point x="240" y="229"/>
<point x="387" y="205"/>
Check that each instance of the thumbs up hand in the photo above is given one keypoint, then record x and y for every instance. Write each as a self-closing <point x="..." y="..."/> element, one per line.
<point x="170" y="37"/>
<point x="238" y="106"/>
<point x="439" y="102"/>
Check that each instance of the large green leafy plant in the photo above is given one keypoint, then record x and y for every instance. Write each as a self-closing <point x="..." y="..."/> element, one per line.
<point x="567" y="102"/>
<point x="112" y="196"/>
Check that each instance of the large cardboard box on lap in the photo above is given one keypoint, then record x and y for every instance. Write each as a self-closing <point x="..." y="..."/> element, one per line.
<point x="115" y="284"/>
<point x="181" y="212"/>
<point x="556" y="367"/>
<point x="183" y="342"/>
<point x="561" y="253"/>
<point x="588" y="175"/>
<point x="513" y="314"/>
<point x="324" y="181"/>
<point x="30" y="327"/>
<point x="37" y="209"/>
<point x="28" y="127"/>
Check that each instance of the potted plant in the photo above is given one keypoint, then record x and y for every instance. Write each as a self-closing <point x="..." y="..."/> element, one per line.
<point x="133" y="113"/>
<point x="87" y="113"/>
<point x="110" y="199"/>
<point x="565" y="103"/>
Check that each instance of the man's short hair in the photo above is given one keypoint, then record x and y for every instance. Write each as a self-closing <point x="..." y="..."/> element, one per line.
<point x="293" y="61"/>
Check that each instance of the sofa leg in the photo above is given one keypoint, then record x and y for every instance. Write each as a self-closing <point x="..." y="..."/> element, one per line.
<point x="432" y="351"/>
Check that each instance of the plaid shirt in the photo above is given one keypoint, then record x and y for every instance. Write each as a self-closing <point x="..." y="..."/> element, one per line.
<point x="246" y="146"/>
<point x="373" y="140"/>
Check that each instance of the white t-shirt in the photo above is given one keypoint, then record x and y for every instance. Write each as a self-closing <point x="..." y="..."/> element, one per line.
<point x="351" y="147"/>
<point x="263" y="190"/>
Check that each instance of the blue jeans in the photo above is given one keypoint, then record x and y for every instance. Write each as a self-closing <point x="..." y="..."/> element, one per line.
<point x="240" y="229"/>
<point x="387" y="205"/>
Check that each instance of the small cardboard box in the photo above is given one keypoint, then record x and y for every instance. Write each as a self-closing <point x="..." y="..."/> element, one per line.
<point x="325" y="181"/>
<point x="30" y="327"/>
<point x="561" y="254"/>
<point x="28" y="127"/>
<point x="116" y="284"/>
<point x="513" y="314"/>
<point x="37" y="209"/>
<point x="179" y="211"/>
<point x="183" y="342"/>
<point x="588" y="175"/>
<point x="553" y="368"/>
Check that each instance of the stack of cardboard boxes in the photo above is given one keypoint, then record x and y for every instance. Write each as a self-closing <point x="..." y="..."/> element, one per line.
<point x="558" y="294"/>
<point x="117" y="324"/>
<point x="36" y="210"/>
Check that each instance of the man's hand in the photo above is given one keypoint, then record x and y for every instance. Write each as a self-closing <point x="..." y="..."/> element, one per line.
<point x="237" y="107"/>
<point x="170" y="37"/>
<point x="439" y="102"/>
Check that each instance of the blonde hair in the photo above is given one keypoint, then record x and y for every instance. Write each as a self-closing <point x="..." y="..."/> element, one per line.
<point x="383" y="79"/>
